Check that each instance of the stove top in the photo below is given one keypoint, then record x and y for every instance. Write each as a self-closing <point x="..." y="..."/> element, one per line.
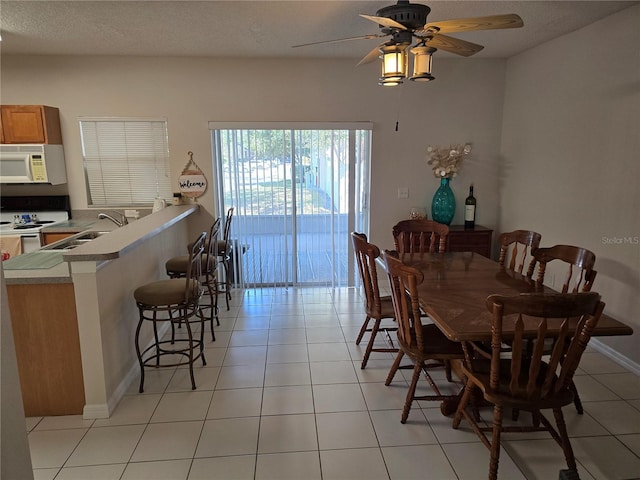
<point x="29" y="222"/>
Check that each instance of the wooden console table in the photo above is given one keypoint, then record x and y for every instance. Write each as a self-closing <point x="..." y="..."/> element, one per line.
<point x="467" y="240"/>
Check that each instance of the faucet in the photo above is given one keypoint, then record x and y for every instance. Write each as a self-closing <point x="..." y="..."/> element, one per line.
<point x="123" y="219"/>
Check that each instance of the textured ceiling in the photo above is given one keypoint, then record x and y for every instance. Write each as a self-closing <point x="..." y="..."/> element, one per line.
<point x="261" y="28"/>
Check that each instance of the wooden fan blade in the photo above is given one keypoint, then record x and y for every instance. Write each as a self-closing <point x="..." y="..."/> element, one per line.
<point x="454" y="45"/>
<point x="363" y="37"/>
<point x="370" y="57"/>
<point x="493" y="22"/>
<point x="384" y="21"/>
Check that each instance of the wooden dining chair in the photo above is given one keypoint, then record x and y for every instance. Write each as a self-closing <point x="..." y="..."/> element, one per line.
<point x="420" y="236"/>
<point x="526" y="381"/>
<point x="579" y="263"/>
<point x="579" y="277"/>
<point x="516" y="249"/>
<point x="377" y="308"/>
<point x="421" y="343"/>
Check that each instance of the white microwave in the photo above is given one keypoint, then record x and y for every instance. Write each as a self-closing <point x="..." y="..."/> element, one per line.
<point x="32" y="164"/>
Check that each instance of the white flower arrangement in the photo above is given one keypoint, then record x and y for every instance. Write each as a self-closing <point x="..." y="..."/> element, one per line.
<point x="445" y="162"/>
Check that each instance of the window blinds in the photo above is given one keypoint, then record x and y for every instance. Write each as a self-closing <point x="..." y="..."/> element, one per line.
<point x="126" y="161"/>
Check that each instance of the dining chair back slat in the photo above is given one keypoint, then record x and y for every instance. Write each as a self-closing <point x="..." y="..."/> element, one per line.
<point x="517" y="247"/>
<point x="579" y="261"/>
<point x="420" y="236"/>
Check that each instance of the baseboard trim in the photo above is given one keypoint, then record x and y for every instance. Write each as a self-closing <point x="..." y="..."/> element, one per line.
<point x="96" y="410"/>
<point x="614" y="355"/>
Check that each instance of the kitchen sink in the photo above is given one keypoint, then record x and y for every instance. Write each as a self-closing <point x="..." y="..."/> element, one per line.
<point x="90" y="235"/>
<point x="69" y="244"/>
<point x="75" y="241"/>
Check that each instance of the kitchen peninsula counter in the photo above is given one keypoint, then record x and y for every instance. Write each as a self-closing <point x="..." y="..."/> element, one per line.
<point x="116" y="243"/>
<point x="87" y="311"/>
<point x="121" y="240"/>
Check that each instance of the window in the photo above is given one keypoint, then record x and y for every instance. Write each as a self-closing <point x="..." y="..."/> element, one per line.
<point x="126" y="161"/>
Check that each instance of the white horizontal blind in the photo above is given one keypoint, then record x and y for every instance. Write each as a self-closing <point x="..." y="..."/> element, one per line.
<point x="126" y="161"/>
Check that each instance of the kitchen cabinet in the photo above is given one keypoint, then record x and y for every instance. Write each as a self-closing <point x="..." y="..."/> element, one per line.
<point x="476" y="240"/>
<point x="45" y="329"/>
<point x="48" y="238"/>
<point x="30" y="124"/>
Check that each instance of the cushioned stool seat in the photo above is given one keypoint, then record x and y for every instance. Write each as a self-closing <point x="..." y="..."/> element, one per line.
<point x="162" y="292"/>
<point x="176" y="301"/>
<point x="177" y="266"/>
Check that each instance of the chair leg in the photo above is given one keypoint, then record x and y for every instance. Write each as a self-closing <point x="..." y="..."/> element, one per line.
<point x="156" y="338"/>
<point x="447" y="367"/>
<point x="215" y="291"/>
<point x="372" y="339"/>
<point x="417" y="369"/>
<point x="394" y="368"/>
<point x="363" y="329"/>
<point x="564" y="438"/>
<point x="139" y="354"/>
<point x="576" y="398"/>
<point x="227" y="281"/>
<point x="202" y="323"/>
<point x="495" y="442"/>
<point x="468" y="389"/>
<point x="213" y="306"/>
<point x="190" y="337"/>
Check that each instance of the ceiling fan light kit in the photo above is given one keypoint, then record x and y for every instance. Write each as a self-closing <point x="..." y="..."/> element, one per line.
<point x="405" y="21"/>
<point x="394" y="64"/>
<point x="422" y="59"/>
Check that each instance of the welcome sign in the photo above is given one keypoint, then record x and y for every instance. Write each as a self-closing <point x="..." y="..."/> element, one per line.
<point x="192" y="182"/>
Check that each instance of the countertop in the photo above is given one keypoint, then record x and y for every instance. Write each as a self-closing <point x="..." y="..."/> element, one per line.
<point x="77" y="226"/>
<point x="122" y="239"/>
<point x="51" y="266"/>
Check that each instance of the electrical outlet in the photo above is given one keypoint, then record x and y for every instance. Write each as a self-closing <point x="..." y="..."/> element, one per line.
<point x="403" y="192"/>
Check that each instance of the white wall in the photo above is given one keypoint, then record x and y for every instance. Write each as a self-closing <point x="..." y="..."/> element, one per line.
<point x="463" y="104"/>
<point x="570" y="168"/>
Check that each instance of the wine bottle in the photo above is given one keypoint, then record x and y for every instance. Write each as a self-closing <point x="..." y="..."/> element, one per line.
<point x="470" y="209"/>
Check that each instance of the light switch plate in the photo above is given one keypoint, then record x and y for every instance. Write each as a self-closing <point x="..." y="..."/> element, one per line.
<point x="403" y="192"/>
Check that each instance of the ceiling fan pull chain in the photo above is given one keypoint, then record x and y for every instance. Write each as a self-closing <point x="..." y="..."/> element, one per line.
<point x="398" y="109"/>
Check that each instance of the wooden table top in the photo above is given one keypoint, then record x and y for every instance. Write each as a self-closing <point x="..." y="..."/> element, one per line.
<point x="456" y="285"/>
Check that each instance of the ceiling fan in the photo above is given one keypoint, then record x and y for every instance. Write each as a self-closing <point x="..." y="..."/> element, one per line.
<point x="403" y="23"/>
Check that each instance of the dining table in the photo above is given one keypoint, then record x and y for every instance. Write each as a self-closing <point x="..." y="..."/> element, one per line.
<point x="453" y="294"/>
<point x="457" y="284"/>
<point x="454" y="291"/>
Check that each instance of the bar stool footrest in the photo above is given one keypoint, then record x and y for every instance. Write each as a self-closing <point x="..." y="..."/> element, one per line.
<point x="161" y="352"/>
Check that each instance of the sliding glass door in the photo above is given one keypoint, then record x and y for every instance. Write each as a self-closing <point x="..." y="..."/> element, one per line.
<point x="298" y="190"/>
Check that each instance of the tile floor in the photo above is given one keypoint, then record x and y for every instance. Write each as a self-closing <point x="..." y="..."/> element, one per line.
<point x="283" y="397"/>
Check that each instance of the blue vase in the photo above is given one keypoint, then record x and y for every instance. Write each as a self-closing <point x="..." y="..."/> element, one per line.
<point x="443" y="205"/>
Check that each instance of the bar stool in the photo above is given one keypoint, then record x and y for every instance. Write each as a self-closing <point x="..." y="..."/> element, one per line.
<point x="178" y="299"/>
<point x="224" y="253"/>
<point x="176" y="267"/>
